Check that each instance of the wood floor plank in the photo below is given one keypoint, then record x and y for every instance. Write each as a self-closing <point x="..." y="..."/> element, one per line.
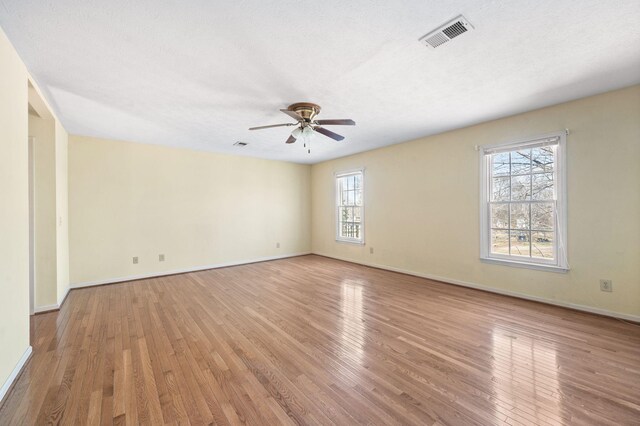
<point x="311" y="340"/>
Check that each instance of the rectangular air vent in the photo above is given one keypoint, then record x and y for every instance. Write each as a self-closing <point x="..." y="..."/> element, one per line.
<point x="447" y="32"/>
<point x="240" y="144"/>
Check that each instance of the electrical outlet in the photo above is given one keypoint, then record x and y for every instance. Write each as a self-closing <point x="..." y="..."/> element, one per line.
<point x="277" y="245"/>
<point x="161" y="257"/>
<point x="135" y="260"/>
<point x="606" y="285"/>
<point x="370" y="250"/>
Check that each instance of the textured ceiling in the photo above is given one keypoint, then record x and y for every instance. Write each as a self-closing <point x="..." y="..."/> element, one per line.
<point x="198" y="74"/>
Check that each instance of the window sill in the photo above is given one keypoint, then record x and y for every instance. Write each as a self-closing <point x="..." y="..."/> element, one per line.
<point x="516" y="264"/>
<point x="356" y="242"/>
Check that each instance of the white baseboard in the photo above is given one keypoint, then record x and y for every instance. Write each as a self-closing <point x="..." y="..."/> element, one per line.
<point x="64" y="296"/>
<point x="584" y="308"/>
<point x="45" y="308"/>
<point x="53" y="307"/>
<point x="182" y="271"/>
<point x="16" y="371"/>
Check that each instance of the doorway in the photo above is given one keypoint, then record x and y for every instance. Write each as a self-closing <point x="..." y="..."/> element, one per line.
<point x="42" y="206"/>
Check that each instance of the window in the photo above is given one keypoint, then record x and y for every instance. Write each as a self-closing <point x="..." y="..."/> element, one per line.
<point x="523" y="214"/>
<point x="350" y="206"/>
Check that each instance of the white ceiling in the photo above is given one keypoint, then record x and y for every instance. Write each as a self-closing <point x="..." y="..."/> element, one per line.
<point x="198" y="74"/>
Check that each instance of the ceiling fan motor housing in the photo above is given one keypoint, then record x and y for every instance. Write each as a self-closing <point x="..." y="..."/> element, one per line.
<point x="306" y="110"/>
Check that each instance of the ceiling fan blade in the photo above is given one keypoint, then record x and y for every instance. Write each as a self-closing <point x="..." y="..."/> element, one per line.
<point x="272" y="125"/>
<point x="291" y="139"/>
<point x="328" y="133"/>
<point x="336" y="122"/>
<point x="292" y="114"/>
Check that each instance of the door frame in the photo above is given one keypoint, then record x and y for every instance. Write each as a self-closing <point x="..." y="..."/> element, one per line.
<point x="32" y="234"/>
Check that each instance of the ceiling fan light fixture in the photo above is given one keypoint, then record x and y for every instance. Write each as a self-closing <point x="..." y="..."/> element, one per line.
<point x="296" y="132"/>
<point x="307" y="132"/>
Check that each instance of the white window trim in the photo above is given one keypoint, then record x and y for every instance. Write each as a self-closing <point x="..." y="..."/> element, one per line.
<point x="340" y="239"/>
<point x="560" y="264"/>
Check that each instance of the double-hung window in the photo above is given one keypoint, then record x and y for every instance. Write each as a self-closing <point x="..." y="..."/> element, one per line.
<point x="350" y="206"/>
<point x="523" y="196"/>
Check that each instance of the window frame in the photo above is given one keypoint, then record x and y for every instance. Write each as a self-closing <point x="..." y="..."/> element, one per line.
<point x="560" y="262"/>
<point x="336" y="176"/>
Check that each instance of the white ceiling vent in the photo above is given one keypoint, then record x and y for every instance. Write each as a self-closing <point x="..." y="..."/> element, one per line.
<point x="447" y="32"/>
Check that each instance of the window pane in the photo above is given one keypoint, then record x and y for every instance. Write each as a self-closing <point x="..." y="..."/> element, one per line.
<point x="347" y="229"/>
<point x="351" y="198"/>
<point x="500" y="189"/>
<point x="358" y="198"/>
<point x="542" y="245"/>
<point x="500" y="216"/>
<point x="357" y="212"/>
<point x="521" y="162"/>
<point x="344" y="214"/>
<point x="543" y="186"/>
<point x="521" y="188"/>
<point x="519" y="216"/>
<point x="500" y="164"/>
<point x="343" y="184"/>
<point x="542" y="159"/>
<point x="519" y="242"/>
<point x="542" y="216"/>
<point x="499" y="241"/>
<point x="349" y="181"/>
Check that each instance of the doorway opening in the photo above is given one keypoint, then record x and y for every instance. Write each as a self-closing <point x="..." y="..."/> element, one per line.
<point x="42" y="206"/>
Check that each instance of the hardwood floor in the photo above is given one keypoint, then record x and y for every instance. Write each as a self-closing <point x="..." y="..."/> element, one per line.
<point x="312" y="340"/>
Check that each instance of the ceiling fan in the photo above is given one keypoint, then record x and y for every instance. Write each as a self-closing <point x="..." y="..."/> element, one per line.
<point x="305" y="113"/>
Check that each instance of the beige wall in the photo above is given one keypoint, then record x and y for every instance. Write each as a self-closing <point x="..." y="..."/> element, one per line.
<point x="44" y="156"/>
<point x="196" y="208"/>
<point x="14" y="214"/>
<point x="422" y="204"/>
